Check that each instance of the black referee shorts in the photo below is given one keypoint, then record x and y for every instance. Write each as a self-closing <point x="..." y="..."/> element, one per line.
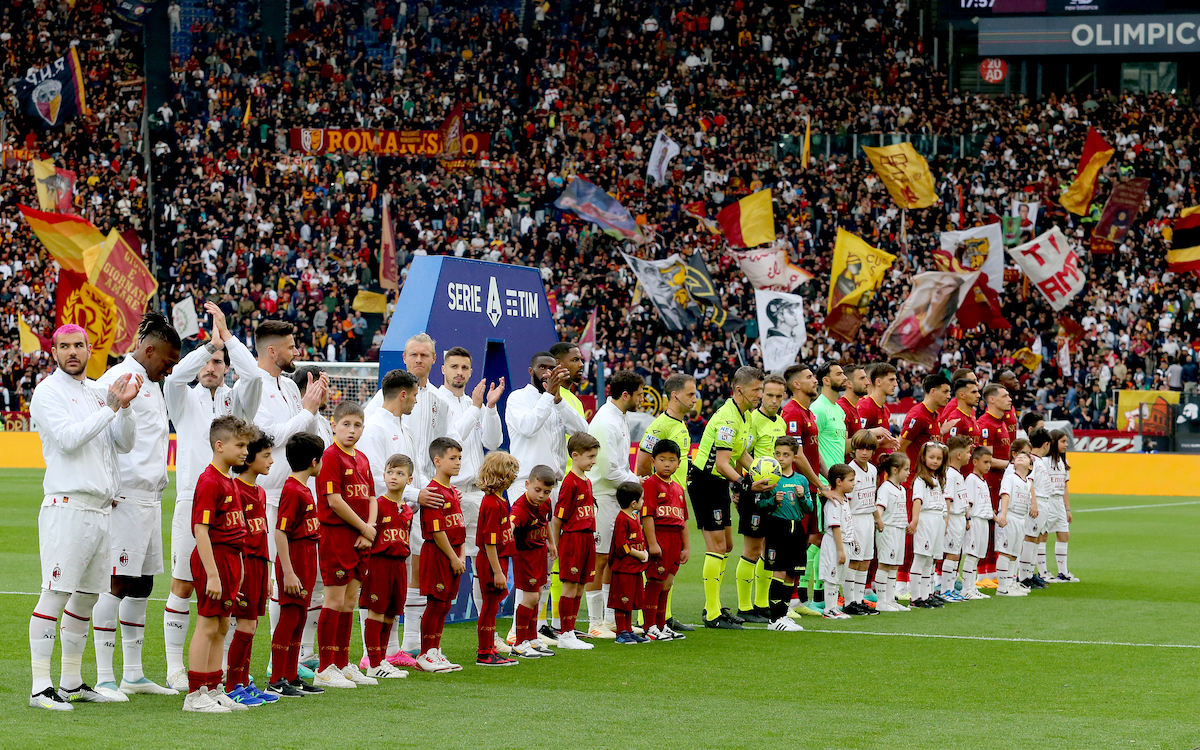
<point x="710" y="500"/>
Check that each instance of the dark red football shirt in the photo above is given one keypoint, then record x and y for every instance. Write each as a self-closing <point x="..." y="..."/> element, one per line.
<point x="495" y="526"/>
<point x="348" y="475"/>
<point x="627" y="536"/>
<point x="529" y="523"/>
<point x="216" y="505"/>
<point x="298" y="512"/>
<point x="853" y="418"/>
<point x="664" y="502"/>
<point x="920" y="426"/>
<point x="802" y="425"/>
<point x="871" y="414"/>
<point x="254" y="509"/>
<point x="448" y="518"/>
<point x="392" y="528"/>
<point x="962" y="424"/>
<point x="576" y="507"/>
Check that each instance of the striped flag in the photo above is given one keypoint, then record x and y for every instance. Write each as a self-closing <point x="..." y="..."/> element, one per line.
<point x="749" y="222"/>
<point x="66" y="237"/>
<point x="1184" y="254"/>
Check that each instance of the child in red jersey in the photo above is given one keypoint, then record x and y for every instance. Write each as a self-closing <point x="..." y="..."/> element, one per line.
<point x="386" y="584"/>
<point x="347" y="508"/>
<point x="531" y="520"/>
<point x="220" y="527"/>
<point x="573" y="530"/>
<point x="494" y="538"/>
<point x="629" y="557"/>
<point x="441" y="568"/>
<point x="664" y="522"/>
<point x="296" y="533"/>
<point x="252" y="598"/>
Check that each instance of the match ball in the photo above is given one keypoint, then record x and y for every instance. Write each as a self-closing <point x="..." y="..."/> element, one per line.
<point x="766" y="468"/>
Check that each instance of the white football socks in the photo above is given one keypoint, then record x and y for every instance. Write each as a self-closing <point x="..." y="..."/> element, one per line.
<point x="970" y="563"/>
<point x="1060" y="557"/>
<point x="1004" y="579"/>
<point x="104" y="622"/>
<point x="133" y="636"/>
<point x="74" y="632"/>
<point x="43" y="630"/>
<point x="610" y="617"/>
<point x="176" y="621"/>
<point x="414" y="607"/>
<point x="882" y="592"/>
<point x="595" y="607"/>
<point x="1042" y="570"/>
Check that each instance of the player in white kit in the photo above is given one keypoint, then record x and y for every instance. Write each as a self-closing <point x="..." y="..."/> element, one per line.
<point x="864" y="517"/>
<point x="959" y="450"/>
<point x="1016" y="502"/>
<point x="610" y="471"/>
<point x="83" y="428"/>
<point x="192" y="410"/>
<point x="136" y="537"/>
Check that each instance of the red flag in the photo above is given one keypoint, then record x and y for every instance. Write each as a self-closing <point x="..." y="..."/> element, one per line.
<point x="389" y="269"/>
<point x="587" y="339"/>
<point x="981" y="307"/>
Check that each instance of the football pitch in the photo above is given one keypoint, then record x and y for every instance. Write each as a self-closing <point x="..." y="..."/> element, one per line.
<point x="1113" y="661"/>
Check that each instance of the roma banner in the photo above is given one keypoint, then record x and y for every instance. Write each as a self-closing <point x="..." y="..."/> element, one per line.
<point x="363" y="141"/>
<point x="86" y="306"/>
<point x="66" y="237"/>
<point x="770" y="268"/>
<point x="1120" y="210"/>
<point x="976" y="249"/>
<point x="1096" y="153"/>
<point x="55" y="187"/>
<point x="665" y="283"/>
<point x="905" y="173"/>
<point x="115" y="269"/>
<point x="661" y="155"/>
<point x="749" y="222"/>
<point x="1184" y="254"/>
<point x="858" y="270"/>
<point x="1147" y="412"/>
<point x="54" y="94"/>
<point x="1052" y="265"/>
<point x="698" y="211"/>
<point x="917" y="333"/>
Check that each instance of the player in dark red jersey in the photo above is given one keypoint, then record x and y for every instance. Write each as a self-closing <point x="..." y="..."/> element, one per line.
<point x="220" y="527"/>
<point x="386" y="585"/>
<point x="962" y="373"/>
<point x="802" y="425"/>
<point x="253" y="595"/>
<point x="995" y="433"/>
<point x="440" y="571"/>
<point x="921" y="426"/>
<point x="348" y="511"/>
<point x="494" y="539"/>
<point x="531" y="521"/>
<point x="664" y="523"/>
<point x="858" y="394"/>
<point x="960" y="421"/>
<point x="573" y="530"/>
<point x="296" y="531"/>
<point x="872" y="410"/>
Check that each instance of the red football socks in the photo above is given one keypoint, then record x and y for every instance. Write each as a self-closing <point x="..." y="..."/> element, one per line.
<point x="288" y="630"/>
<point x="568" y="611"/>
<point x="660" y="619"/>
<point x="432" y="623"/>
<point x="376" y="641"/>
<point x="327" y="632"/>
<point x="238" y="672"/>
<point x="623" y="618"/>
<point x="524" y="620"/>
<point x="650" y="605"/>
<point x="345" y="628"/>
<point x="486" y="625"/>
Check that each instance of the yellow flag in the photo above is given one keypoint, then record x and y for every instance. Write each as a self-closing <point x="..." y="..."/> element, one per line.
<point x="1027" y="358"/>
<point x="1096" y="153"/>
<point x="246" y="117"/>
<point x="858" y="270"/>
<point x="66" y="237"/>
<point x="370" y="302"/>
<point x="804" y="157"/>
<point x="905" y="173"/>
<point x="30" y="343"/>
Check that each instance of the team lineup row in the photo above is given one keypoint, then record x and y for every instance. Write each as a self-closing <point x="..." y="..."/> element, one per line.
<point x="107" y="468"/>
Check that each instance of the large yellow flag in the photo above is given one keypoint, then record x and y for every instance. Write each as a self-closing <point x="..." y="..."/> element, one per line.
<point x="905" y="173"/>
<point x="858" y="270"/>
<point x="807" y="153"/>
<point x="1096" y="153"/>
<point x="30" y="343"/>
<point x="66" y="237"/>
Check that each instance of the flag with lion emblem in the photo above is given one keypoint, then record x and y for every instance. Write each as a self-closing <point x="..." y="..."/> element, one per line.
<point x="971" y="250"/>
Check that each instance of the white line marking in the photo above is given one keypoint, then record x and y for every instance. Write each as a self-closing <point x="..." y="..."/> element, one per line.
<point x="1009" y="640"/>
<point x="1137" y="507"/>
<point x="38" y="593"/>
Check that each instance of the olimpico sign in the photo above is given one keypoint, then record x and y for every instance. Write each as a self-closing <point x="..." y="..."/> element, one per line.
<point x="1099" y="35"/>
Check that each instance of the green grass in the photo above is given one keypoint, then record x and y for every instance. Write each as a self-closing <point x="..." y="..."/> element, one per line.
<point x="824" y="688"/>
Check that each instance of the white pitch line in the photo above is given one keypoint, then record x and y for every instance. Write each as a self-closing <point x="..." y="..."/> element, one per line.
<point x="1009" y="640"/>
<point x="27" y="593"/>
<point x="1137" y="507"/>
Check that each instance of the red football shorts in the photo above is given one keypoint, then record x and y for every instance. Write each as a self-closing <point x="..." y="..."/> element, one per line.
<point x="303" y="554"/>
<point x="625" y="591"/>
<point x="229" y="568"/>
<point x="577" y="556"/>
<point x="340" y="562"/>
<point x="529" y="569"/>
<point x="252" y="598"/>
<point x="670" y="538"/>
<point x="483" y="572"/>
<point x="436" y="576"/>
<point x="386" y="585"/>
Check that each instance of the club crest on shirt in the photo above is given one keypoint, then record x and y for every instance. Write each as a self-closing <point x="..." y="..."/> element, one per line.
<point x="341" y="574"/>
<point x="532" y="581"/>
<point x="242" y="603"/>
<point x="624" y="599"/>
<point x="227" y="604"/>
<point x="303" y="592"/>
<point x="441" y="587"/>
<point x="374" y="597"/>
<point x="662" y="569"/>
<point x="57" y="573"/>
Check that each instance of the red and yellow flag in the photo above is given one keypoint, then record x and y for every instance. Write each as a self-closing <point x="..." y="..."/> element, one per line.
<point x="1184" y="254"/>
<point x="858" y="270"/>
<point x="66" y="237"/>
<point x="905" y="173"/>
<point x="1096" y="153"/>
<point x="115" y="268"/>
<point x="749" y="222"/>
<point x="389" y="269"/>
<point x="86" y="306"/>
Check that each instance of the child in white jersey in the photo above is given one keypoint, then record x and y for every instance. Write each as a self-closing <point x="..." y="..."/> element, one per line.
<point x="959" y="449"/>
<point x="979" y="516"/>
<point x="863" y="517"/>
<point x="1058" y="505"/>
<point x="838" y="538"/>
<point x="889" y="529"/>
<point x="927" y="524"/>
<point x="1016" y="503"/>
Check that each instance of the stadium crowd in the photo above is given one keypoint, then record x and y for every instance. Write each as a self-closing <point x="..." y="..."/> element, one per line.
<point x="240" y="220"/>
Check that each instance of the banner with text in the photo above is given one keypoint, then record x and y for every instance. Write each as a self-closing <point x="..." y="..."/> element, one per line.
<point x="382" y="142"/>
